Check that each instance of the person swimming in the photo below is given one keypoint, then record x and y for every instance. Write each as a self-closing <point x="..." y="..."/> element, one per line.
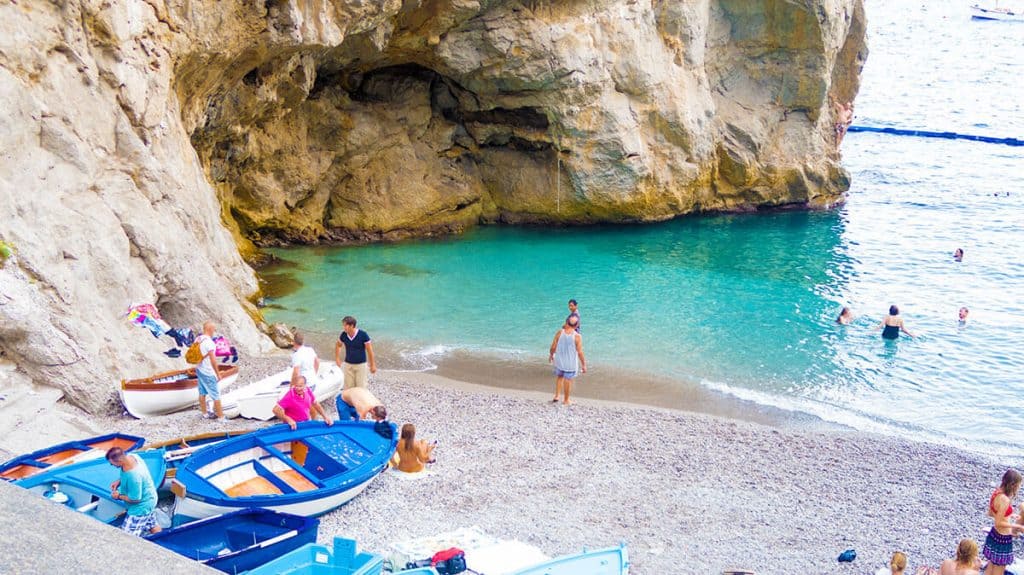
<point x="958" y="255"/>
<point x="845" y="316"/>
<point x="963" y="315"/>
<point x="892" y="325"/>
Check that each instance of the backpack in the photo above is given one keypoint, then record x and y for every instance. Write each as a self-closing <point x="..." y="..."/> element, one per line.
<point x="449" y="561"/>
<point x="194" y="355"/>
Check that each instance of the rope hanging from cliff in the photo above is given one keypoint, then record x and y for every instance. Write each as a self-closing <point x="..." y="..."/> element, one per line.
<point x="558" y="177"/>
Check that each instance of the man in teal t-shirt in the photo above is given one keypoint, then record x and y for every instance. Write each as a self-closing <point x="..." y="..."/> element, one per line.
<point x="135" y="488"/>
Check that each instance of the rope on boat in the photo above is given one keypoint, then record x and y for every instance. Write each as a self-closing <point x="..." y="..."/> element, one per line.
<point x="944" y="135"/>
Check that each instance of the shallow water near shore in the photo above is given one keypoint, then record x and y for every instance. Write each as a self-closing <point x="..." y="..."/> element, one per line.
<point x="743" y="306"/>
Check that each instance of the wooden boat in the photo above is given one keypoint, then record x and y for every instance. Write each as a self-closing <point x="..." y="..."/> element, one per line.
<point x="996" y="12"/>
<point x="344" y="559"/>
<point x="609" y="561"/>
<point x="176" y="450"/>
<point x="85" y="486"/>
<point x="257" y="400"/>
<point x="307" y="471"/>
<point x="67" y="453"/>
<point x="240" y="540"/>
<point x="167" y="392"/>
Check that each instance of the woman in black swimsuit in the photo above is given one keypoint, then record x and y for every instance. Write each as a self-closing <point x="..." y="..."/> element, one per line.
<point x="892" y="325"/>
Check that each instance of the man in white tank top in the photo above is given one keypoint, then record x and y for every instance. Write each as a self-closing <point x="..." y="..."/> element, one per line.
<point x="567" y="357"/>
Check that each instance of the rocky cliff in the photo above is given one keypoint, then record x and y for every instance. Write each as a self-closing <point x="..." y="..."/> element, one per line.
<point x="145" y="141"/>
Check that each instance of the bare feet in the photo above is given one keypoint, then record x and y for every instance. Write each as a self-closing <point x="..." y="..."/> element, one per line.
<point x="555" y="400"/>
<point x="566" y="402"/>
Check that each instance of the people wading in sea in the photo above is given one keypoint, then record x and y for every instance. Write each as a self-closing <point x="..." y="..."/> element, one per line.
<point x="892" y="325"/>
<point x="964" y="312"/>
<point x="999" y="542"/>
<point x="358" y="352"/>
<point x="574" y="312"/>
<point x="958" y="255"/>
<point x="845" y="316"/>
<point x="567" y="356"/>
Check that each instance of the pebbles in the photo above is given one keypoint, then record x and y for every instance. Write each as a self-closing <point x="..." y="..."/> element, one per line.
<point x="688" y="493"/>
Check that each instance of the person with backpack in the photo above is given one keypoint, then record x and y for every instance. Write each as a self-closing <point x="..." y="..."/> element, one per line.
<point x="203" y="353"/>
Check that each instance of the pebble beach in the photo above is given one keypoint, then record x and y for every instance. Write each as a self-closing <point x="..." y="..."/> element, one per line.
<point x="687" y="492"/>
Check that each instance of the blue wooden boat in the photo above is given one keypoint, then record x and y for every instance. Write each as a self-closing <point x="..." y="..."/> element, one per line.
<point x="67" y="453"/>
<point x="85" y="486"/>
<point x="240" y="540"/>
<point x="176" y="450"/>
<point x="610" y="561"/>
<point x="307" y="471"/>
<point x="313" y="559"/>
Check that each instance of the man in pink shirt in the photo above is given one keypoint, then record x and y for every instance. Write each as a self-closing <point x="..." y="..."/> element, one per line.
<point x="299" y="404"/>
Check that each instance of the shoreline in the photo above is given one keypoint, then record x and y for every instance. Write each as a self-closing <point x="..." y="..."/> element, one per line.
<point x="688" y="492"/>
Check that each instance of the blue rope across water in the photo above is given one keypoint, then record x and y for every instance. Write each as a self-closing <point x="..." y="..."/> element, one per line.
<point x="945" y="135"/>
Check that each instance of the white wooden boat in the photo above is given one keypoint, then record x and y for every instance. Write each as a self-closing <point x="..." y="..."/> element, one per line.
<point x="997" y="12"/>
<point x="167" y="392"/>
<point x="257" y="400"/>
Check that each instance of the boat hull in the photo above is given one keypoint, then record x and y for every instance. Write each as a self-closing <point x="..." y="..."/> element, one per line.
<point x="996" y="14"/>
<point x="257" y="400"/>
<point x="176" y="450"/>
<point x="307" y="471"/>
<point x="241" y="540"/>
<point x="68" y="453"/>
<point x="610" y="561"/>
<point x="87" y="485"/>
<point x="343" y="559"/>
<point x="167" y="392"/>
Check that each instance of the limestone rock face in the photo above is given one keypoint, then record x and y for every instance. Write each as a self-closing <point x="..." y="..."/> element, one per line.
<point x="427" y="116"/>
<point x="145" y="143"/>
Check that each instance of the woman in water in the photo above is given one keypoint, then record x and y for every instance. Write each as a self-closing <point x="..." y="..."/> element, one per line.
<point x="411" y="453"/>
<point x="999" y="543"/>
<point x="892" y="325"/>
<point x="845" y="316"/>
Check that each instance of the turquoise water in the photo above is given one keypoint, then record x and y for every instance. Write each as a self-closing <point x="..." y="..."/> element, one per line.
<point x="744" y="305"/>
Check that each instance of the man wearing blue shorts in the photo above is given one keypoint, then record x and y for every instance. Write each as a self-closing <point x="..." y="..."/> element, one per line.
<point x="567" y="357"/>
<point x="136" y="490"/>
<point x="208" y="373"/>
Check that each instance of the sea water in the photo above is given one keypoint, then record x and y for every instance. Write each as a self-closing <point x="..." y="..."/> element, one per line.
<point x="745" y="305"/>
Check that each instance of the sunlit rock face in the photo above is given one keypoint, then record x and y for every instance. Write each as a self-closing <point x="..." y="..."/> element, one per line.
<point x="146" y="145"/>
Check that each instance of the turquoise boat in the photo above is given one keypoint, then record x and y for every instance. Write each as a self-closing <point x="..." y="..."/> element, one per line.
<point x="609" y="561"/>
<point x="85" y="487"/>
<point x="312" y="559"/>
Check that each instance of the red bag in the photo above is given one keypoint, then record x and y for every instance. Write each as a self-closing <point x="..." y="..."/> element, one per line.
<point x="449" y="561"/>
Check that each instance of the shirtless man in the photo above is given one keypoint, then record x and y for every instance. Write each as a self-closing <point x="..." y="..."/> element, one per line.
<point x="365" y="404"/>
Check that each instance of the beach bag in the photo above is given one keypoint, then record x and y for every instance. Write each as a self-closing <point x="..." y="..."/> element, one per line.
<point x="449" y="562"/>
<point x="194" y="355"/>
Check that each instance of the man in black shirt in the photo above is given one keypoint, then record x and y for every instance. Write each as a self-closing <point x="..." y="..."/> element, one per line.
<point x="358" y="349"/>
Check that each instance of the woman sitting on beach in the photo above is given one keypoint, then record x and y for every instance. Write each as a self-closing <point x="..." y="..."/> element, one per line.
<point x="999" y="543"/>
<point x="892" y="325"/>
<point x="898" y="563"/>
<point x="412" y="454"/>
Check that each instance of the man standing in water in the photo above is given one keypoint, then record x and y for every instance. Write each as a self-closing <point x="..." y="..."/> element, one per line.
<point x="358" y="348"/>
<point x="567" y="356"/>
<point x="573" y="307"/>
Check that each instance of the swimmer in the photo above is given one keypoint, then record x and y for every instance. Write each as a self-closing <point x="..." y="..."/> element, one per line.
<point x="892" y="325"/>
<point x="845" y="316"/>
<point x="963" y="315"/>
<point x="958" y="255"/>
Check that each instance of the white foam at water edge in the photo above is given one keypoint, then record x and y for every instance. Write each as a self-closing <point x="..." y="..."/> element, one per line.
<point x="862" y="422"/>
<point x="424" y="358"/>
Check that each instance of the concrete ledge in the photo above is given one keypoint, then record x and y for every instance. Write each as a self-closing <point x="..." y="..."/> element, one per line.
<point x="41" y="537"/>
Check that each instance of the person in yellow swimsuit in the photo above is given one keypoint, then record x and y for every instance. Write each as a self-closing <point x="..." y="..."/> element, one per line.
<point x="412" y="454"/>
